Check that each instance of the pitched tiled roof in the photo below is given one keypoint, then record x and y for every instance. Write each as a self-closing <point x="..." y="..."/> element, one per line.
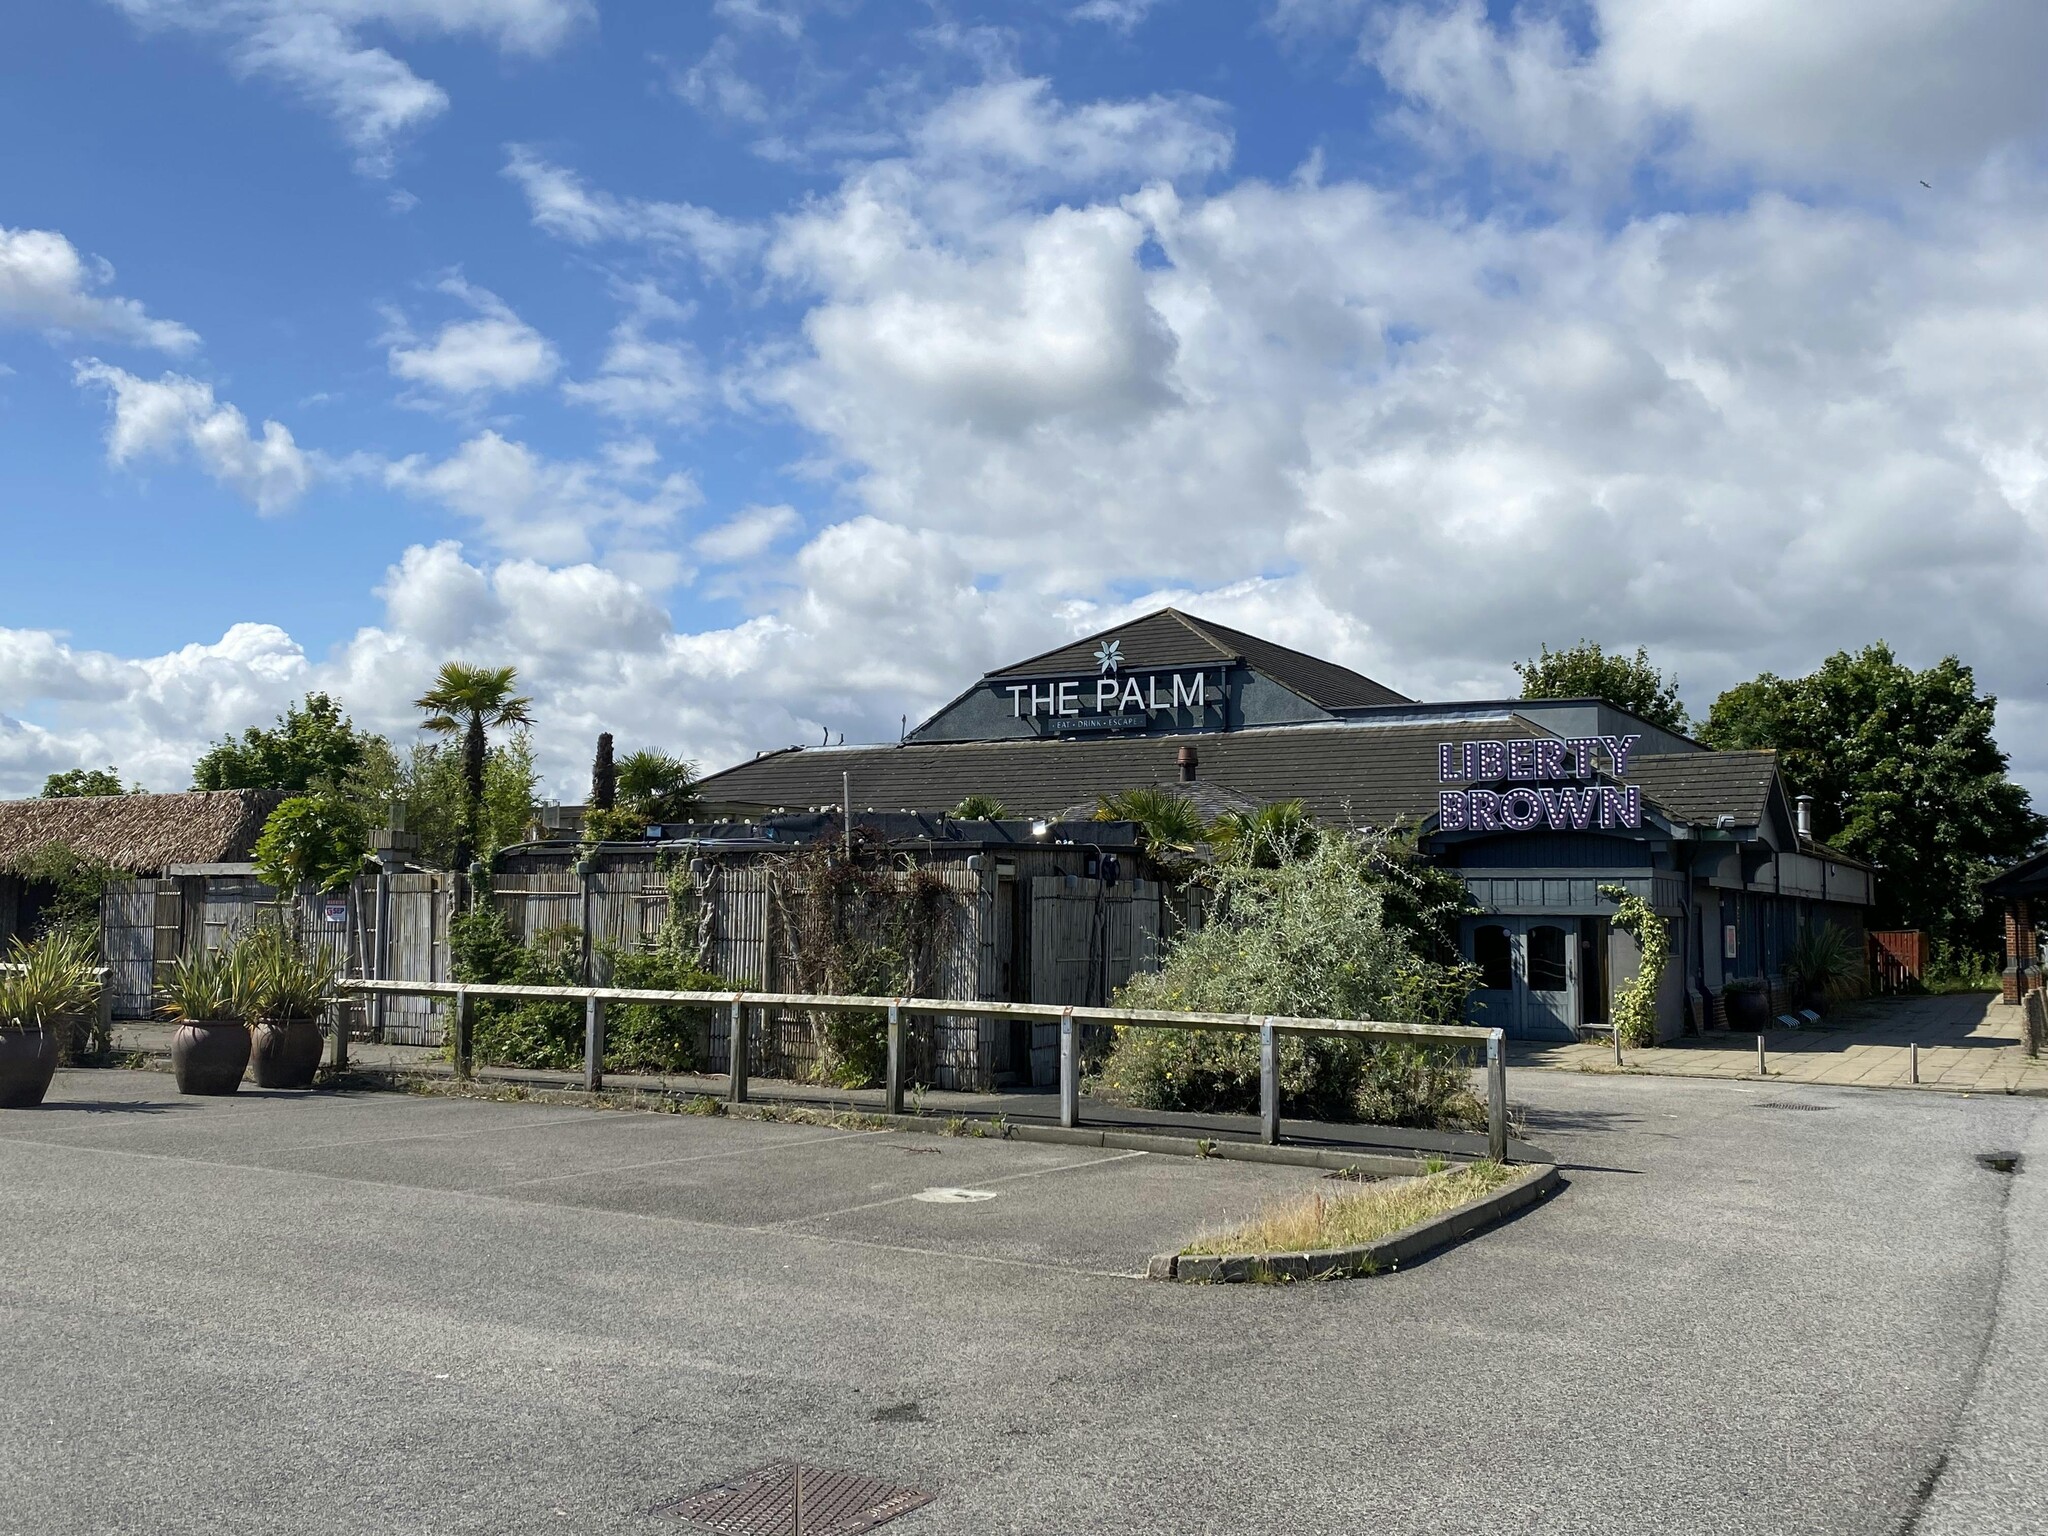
<point x="1170" y="638"/>
<point x="1370" y="774"/>
<point x="1700" y="787"/>
<point x="1375" y="775"/>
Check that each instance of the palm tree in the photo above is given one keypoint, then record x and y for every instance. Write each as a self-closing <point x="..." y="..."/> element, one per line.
<point x="1267" y="837"/>
<point x="978" y="807"/>
<point x="1169" y="823"/>
<point x="657" y="787"/>
<point x="470" y="701"/>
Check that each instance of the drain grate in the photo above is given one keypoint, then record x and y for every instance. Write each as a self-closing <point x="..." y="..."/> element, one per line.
<point x="2000" y="1162"/>
<point x="765" y="1502"/>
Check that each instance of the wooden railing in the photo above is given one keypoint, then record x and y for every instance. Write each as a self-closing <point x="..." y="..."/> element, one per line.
<point x="900" y="1009"/>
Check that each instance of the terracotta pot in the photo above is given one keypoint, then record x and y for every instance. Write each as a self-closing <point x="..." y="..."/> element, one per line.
<point x="28" y="1060"/>
<point x="208" y="1055"/>
<point x="285" y="1053"/>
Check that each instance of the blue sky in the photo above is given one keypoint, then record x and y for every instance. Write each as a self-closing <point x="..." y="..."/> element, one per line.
<point x="748" y="370"/>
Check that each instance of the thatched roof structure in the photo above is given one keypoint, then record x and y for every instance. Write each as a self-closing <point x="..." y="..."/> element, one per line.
<point x="142" y="834"/>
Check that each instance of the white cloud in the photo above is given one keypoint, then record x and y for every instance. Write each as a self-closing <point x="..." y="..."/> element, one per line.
<point x="748" y="535"/>
<point x="494" y="352"/>
<point x="1118" y="15"/>
<point x="46" y="284"/>
<point x="563" y="206"/>
<point x="174" y="414"/>
<point x="642" y="379"/>
<point x="547" y="509"/>
<point x="316" y="48"/>
<point x="373" y="97"/>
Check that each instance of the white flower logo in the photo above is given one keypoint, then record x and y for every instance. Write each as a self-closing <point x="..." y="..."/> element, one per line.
<point x="1109" y="655"/>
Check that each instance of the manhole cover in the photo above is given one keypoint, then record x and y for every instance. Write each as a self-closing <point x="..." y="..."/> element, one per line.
<point x="785" y="1498"/>
<point x="947" y="1196"/>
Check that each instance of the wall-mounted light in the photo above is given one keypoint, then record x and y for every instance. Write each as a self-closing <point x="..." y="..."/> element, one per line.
<point x="1040" y="828"/>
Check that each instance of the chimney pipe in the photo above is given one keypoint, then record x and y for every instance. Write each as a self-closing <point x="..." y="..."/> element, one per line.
<point x="1187" y="759"/>
<point x="1805" y="804"/>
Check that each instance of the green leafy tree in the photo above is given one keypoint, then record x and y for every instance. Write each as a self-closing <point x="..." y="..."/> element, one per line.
<point x="604" y="775"/>
<point x="85" y="784"/>
<point x="469" y="702"/>
<point x="1586" y="671"/>
<point x="313" y="745"/>
<point x="313" y="840"/>
<point x="1904" y="772"/>
<point x="427" y="785"/>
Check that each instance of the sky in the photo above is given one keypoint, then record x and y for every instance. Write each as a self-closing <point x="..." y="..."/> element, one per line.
<point x="754" y="371"/>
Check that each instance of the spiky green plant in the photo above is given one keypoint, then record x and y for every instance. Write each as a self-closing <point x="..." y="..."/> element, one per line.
<point x="979" y="807"/>
<point x="286" y="979"/>
<point x="209" y="986"/>
<point x="53" y="980"/>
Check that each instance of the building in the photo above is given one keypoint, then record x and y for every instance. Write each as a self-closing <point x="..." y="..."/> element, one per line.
<point x="174" y="837"/>
<point x="1540" y="805"/>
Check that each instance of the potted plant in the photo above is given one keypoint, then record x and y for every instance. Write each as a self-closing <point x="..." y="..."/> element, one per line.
<point x="1824" y="964"/>
<point x="45" y="988"/>
<point x="1748" y="1005"/>
<point x="288" y="989"/>
<point x="207" y="992"/>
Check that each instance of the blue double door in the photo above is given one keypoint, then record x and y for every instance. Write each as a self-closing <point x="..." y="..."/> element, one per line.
<point x="1529" y="975"/>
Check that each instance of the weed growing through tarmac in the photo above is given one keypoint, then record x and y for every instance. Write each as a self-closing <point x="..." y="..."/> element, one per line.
<point x="1308" y="1222"/>
<point x="956" y="1125"/>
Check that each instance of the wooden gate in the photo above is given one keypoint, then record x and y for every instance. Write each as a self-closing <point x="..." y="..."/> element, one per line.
<point x="420" y="907"/>
<point x="128" y="915"/>
<point x="1086" y="940"/>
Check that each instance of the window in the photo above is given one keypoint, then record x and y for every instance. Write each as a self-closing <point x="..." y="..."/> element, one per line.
<point x="1547" y="969"/>
<point x="1493" y="953"/>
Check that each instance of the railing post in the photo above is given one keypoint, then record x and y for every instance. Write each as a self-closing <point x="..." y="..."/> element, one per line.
<point x="341" y="1014"/>
<point x="892" y="1093"/>
<point x="1497" y="1096"/>
<point x="1070" y="1072"/>
<point x="465" y="1034"/>
<point x="737" y="1037"/>
<point x="593" y="1043"/>
<point x="1269" y="1083"/>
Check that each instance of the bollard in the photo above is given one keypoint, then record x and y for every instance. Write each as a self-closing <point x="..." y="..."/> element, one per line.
<point x="892" y="1091"/>
<point x="1269" y="1083"/>
<point x="1761" y="1069"/>
<point x="1913" y="1063"/>
<point x="1070" y="1072"/>
<point x="1616" y="1028"/>
<point x="593" y="1044"/>
<point x="465" y="1033"/>
<point x="737" y="1039"/>
<point x="1497" y="1096"/>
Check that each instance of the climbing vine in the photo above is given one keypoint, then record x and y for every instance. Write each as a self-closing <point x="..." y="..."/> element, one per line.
<point x="1635" y="1009"/>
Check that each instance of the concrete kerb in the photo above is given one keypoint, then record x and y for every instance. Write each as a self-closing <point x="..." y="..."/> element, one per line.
<point x="1378" y="1257"/>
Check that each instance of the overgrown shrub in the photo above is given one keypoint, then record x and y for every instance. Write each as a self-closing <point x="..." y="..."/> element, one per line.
<point x="540" y="1032"/>
<point x="1352" y="927"/>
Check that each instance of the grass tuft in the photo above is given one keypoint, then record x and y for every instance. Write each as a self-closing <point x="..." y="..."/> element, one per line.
<point x="1307" y="1222"/>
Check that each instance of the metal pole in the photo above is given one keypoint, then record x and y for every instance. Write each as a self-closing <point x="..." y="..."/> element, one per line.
<point x="1497" y="1096"/>
<point x="1070" y="1073"/>
<point x="1761" y="1069"/>
<point x="846" y="809"/>
<point x="1269" y="1083"/>
<point x="593" y="1043"/>
<point x="465" y="1034"/>
<point x="1913" y="1062"/>
<point x="737" y="1093"/>
<point x="1616" y="1028"/>
<point x="892" y="1092"/>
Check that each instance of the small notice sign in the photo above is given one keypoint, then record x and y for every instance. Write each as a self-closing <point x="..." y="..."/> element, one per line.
<point x="336" y="911"/>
